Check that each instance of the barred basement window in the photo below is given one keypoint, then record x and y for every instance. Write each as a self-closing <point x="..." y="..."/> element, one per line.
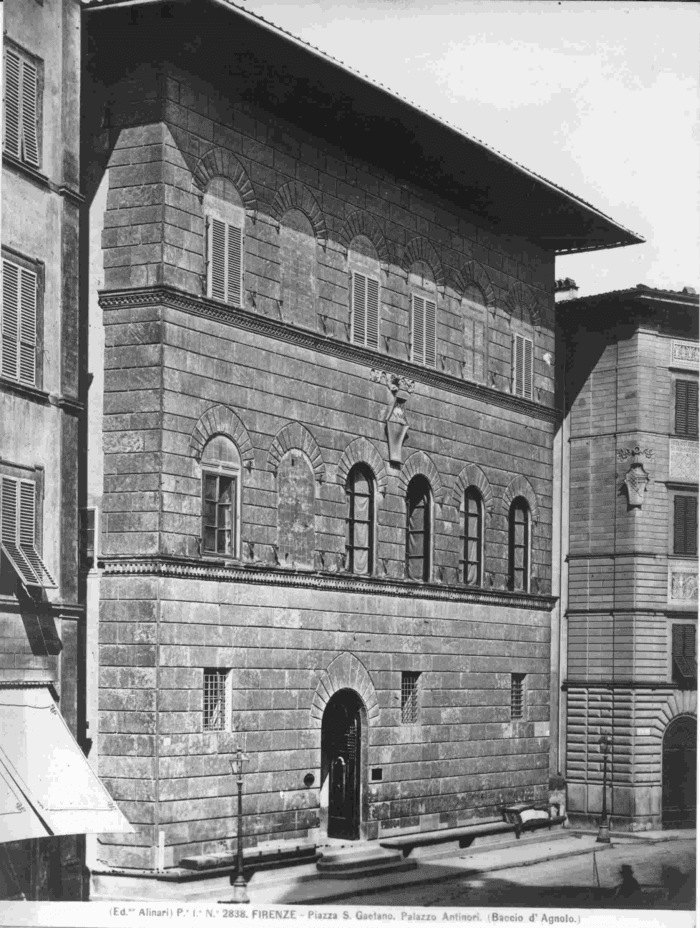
<point x="22" y="107"/>
<point x="687" y="408"/>
<point x="522" y="366"/>
<point x="517" y="695"/>
<point x="683" y="652"/>
<point x="685" y="525"/>
<point x="409" y="697"/>
<point x="217" y="699"/>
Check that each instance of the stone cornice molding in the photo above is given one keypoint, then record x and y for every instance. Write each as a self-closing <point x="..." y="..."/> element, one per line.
<point x="188" y="569"/>
<point x="272" y="328"/>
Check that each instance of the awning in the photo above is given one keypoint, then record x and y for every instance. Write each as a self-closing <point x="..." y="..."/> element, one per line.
<point x="47" y="786"/>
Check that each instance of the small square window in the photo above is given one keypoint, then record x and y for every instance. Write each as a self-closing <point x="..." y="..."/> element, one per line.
<point x="517" y="695"/>
<point x="217" y="699"/>
<point x="409" y="697"/>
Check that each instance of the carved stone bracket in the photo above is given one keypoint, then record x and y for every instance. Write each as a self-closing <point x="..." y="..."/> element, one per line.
<point x="396" y="424"/>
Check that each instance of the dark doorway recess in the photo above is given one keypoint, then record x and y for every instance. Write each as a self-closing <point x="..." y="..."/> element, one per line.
<point x="680" y="773"/>
<point x="341" y="748"/>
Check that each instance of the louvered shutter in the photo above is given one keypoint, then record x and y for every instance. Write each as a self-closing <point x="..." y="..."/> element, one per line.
<point x="30" y="138"/>
<point x="692" y="409"/>
<point x="27" y="328"/>
<point x="359" y="317"/>
<point x="685" y="529"/>
<point x="518" y="352"/>
<point x="10" y="319"/>
<point x="12" y="104"/>
<point x="217" y="259"/>
<point x="372" y="313"/>
<point x="679" y="525"/>
<point x="417" y="329"/>
<point x="691" y="525"/>
<point x="430" y="333"/>
<point x="527" y="368"/>
<point x="10" y="532"/>
<point x="27" y="538"/>
<point x="681" y="407"/>
<point x="235" y="265"/>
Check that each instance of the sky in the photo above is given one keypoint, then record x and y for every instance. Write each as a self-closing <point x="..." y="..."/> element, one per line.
<point x="599" y="97"/>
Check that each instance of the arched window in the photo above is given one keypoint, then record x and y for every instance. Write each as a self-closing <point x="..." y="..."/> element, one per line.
<point x="363" y="266"/>
<point x="359" y="535"/>
<point x="221" y="495"/>
<point x="296" y="499"/>
<point x="423" y="314"/>
<point x="225" y="220"/>
<point x="298" y="253"/>
<point x="472" y="537"/>
<point x="475" y="334"/>
<point x="523" y="354"/>
<point x="418" y="529"/>
<point x="519" y="546"/>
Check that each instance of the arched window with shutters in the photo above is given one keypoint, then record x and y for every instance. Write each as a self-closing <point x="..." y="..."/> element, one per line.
<point x="221" y="498"/>
<point x="519" y="546"/>
<point x="418" y="529"/>
<point x="296" y="500"/>
<point x="472" y="512"/>
<point x="523" y="354"/>
<point x="225" y="224"/>
<point x="363" y="268"/>
<point x="298" y="254"/>
<point x="423" y="295"/>
<point x="475" y="325"/>
<point x="359" y="532"/>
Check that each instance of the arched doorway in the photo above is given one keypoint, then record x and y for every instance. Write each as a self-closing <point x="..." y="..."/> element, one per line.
<point x="679" y="773"/>
<point x="341" y="762"/>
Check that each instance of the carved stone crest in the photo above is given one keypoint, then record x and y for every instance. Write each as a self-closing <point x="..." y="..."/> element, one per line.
<point x="636" y="480"/>
<point x="396" y="424"/>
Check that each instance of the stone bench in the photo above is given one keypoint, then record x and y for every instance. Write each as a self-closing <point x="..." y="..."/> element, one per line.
<point x="253" y="858"/>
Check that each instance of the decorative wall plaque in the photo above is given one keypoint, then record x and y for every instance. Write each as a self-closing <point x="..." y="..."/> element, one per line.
<point x="624" y="453"/>
<point x="683" y="460"/>
<point x="683" y="582"/>
<point x="685" y="354"/>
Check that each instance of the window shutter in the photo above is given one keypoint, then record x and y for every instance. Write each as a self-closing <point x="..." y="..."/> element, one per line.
<point x="430" y="333"/>
<point x="679" y="511"/>
<point x="372" y="313"/>
<point x="692" y="409"/>
<point x="217" y="259"/>
<point x="27" y="333"/>
<point x="691" y="524"/>
<point x="29" y="114"/>
<point x="10" y="533"/>
<point x="10" y="320"/>
<point x="527" y="368"/>
<point x="682" y="407"/>
<point x="518" y="351"/>
<point x="12" y="103"/>
<point x="235" y="265"/>
<point x="359" y="288"/>
<point x="417" y="329"/>
<point x="27" y="535"/>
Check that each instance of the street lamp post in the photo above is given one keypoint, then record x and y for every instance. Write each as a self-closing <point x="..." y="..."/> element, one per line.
<point x="604" y="825"/>
<point x="240" y="892"/>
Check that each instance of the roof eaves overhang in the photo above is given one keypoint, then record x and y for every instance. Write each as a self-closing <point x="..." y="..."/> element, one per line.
<point x="510" y="197"/>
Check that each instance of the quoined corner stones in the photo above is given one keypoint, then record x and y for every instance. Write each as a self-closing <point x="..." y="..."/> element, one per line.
<point x="396" y="423"/>
<point x="636" y="478"/>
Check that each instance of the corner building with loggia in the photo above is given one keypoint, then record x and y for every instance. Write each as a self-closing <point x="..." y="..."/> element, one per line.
<point x="322" y="419"/>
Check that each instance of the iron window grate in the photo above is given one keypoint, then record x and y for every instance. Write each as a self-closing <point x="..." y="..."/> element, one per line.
<point x="409" y="697"/>
<point x="517" y="695"/>
<point x="215" y="702"/>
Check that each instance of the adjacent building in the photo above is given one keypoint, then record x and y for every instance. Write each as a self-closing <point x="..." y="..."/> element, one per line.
<point x="322" y="415"/>
<point x="48" y="793"/>
<point x="630" y="576"/>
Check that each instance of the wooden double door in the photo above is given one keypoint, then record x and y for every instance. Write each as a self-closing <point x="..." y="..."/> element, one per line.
<point x="341" y="746"/>
<point x="680" y="774"/>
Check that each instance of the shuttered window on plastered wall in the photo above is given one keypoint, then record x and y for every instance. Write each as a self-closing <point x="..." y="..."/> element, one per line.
<point x="365" y="310"/>
<point x="683" y="651"/>
<point x="685" y="525"/>
<point x="687" y="408"/>
<point x="18" y="326"/>
<point x="21" y="108"/>
<point x="224" y="261"/>
<point x="523" y="366"/>
<point x="18" y="532"/>
<point x="423" y="331"/>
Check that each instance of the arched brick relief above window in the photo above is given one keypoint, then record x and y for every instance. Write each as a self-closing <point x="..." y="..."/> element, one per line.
<point x="295" y="195"/>
<point x="418" y="250"/>
<point x="520" y="486"/>
<point x="362" y="223"/>
<point x="221" y="420"/>
<point x="521" y="304"/>
<point x="472" y="274"/>
<point x="420" y="463"/>
<point x="362" y="451"/>
<point x="295" y="437"/>
<point x="218" y="162"/>
<point x="472" y="475"/>
<point x="344" y="672"/>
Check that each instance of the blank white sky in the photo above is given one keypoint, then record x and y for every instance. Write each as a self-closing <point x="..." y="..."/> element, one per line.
<point x="599" y="97"/>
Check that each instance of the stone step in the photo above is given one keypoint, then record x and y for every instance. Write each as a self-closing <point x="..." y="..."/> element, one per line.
<point x="370" y="860"/>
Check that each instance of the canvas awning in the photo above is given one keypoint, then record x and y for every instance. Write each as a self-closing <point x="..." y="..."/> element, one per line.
<point x="47" y="786"/>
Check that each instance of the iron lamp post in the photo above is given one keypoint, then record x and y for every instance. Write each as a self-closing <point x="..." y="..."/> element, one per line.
<point x="240" y="892"/>
<point x="604" y="825"/>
